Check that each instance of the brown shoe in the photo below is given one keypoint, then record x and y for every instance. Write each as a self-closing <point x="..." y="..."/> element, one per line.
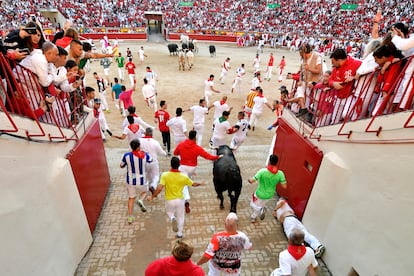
<point x="187" y="207"/>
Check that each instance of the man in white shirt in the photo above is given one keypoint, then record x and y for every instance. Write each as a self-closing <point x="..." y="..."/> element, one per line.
<point x="38" y="61"/>
<point x="149" y="94"/>
<point x="178" y="126"/>
<point x="219" y="107"/>
<point x="240" y="72"/>
<point x="297" y="260"/>
<point x="256" y="63"/>
<point x="137" y="119"/>
<point x="240" y="132"/>
<point x="256" y="80"/>
<point x="102" y="90"/>
<point x="199" y="112"/>
<point x="287" y="217"/>
<point x="225" y="68"/>
<point x="209" y="88"/>
<point x="141" y="55"/>
<point x="259" y="102"/>
<point x="153" y="148"/>
<point x="222" y="128"/>
<point x="151" y="76"/>
<point x="132" y="131"/>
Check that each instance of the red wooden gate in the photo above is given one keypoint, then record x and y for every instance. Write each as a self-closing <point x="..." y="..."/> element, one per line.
<point x="300" y="160"/>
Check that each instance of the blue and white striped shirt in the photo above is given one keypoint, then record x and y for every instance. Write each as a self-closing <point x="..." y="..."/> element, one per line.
<point x="135" y="168"/>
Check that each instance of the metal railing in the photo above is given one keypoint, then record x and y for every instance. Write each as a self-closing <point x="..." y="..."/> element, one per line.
<point x="22" y="95"/>
<point x="367" y="101"/>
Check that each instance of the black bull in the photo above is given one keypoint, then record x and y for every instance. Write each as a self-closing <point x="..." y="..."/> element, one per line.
<point x="173" y="49"/>
<point x="226" y="176"/>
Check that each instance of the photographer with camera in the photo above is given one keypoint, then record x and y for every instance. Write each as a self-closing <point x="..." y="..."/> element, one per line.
<point x="19" y="43"/>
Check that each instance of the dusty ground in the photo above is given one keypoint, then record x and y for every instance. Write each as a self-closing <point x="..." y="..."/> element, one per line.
<point x="184" y="89"/>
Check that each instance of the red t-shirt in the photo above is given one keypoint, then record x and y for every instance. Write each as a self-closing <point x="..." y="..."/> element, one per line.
<point x="385" y="81"/>
<point x="271" y="59"/>
<point x="348" y="69"/>
<point x="126" y="98"/>
<point x="170" y="266"/>
<point x="130" y="66"/>
<point x="188" y="151"/>
<point x="162" y="116"/>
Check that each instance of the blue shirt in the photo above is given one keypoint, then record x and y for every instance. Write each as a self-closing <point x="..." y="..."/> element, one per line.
<point x="117" y="89"/>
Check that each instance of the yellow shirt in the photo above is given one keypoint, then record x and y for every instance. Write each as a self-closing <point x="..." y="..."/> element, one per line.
<point x="174" y="182"/>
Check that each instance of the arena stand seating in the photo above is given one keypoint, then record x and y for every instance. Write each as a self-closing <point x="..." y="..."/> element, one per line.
<point x="298" y="18"/>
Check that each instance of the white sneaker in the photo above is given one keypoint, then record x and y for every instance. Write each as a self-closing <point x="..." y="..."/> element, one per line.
<point x="141" y="205"/>
<point x="174" y="224"/>
<point x="262" y="213"/>
<point x="319" y="251"/>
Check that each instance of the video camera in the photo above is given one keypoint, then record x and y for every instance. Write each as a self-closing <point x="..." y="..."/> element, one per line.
<point x="30" y="30"/>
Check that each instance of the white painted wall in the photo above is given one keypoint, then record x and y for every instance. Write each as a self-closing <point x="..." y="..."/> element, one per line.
<point x="361" y="207"/>
<point x="43" y="227"/>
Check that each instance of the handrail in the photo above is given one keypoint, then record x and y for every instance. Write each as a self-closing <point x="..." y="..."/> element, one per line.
<point x="367" y="104"/>
<point x="24" y="96"/>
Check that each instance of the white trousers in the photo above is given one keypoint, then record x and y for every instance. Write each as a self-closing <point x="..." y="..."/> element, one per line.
<point x="189" y="171"/>
<point x="200" y="130"/>
<point x="223" y="75"/>
<point x="254" y="118"/>
<point x="236" y="142"/>
<point x="291" y="223"/>
<point x="207" y="94"/>
<point x="257" y="204"/>
<point x="179" y="139"/>
<point x="237" y="83"/>
<point x="121" y="73"/>
<point x="153" y="174"/>
<point x="175" y="209"/>
<point x="104" y="101"/>
<point x="131" y="79"/>
<point x="269" y="72"/>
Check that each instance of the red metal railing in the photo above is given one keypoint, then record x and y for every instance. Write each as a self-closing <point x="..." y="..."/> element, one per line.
<point x="21" y="94"/>
<point x="367" y="101"/>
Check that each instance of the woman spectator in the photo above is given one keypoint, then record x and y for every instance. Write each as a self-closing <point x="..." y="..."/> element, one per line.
<point x="70" y="34"/>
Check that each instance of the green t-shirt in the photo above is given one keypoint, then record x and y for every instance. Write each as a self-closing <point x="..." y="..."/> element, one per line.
<point x="174" y="183"/>
<point x="120" y="61"/>
<point x="267" y="182"/>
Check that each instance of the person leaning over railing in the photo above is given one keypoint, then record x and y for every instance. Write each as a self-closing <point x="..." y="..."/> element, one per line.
<point x="400" y="39"/>
<point x="38" y="64"/>
<point x="390" y="69"/>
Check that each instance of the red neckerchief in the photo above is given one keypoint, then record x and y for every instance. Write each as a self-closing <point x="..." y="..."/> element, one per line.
<point x="138" y="153"/>
<point x="272" y="169"/>
<point x="96" y="113"/>
<point x="149" y="70"/>
<point x="222" y="102"/>
<point x="296" y="251"/>
<point x="134" y="128"/>
<point x="147" y="136"/>
<point x="174" y="170"/>
<point x="135" y="115"/>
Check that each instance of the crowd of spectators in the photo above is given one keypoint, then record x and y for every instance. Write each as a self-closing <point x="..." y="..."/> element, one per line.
<point x="298" y="18"/>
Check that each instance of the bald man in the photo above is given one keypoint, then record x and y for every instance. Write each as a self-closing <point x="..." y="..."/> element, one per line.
<point x="223" y="253"/>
